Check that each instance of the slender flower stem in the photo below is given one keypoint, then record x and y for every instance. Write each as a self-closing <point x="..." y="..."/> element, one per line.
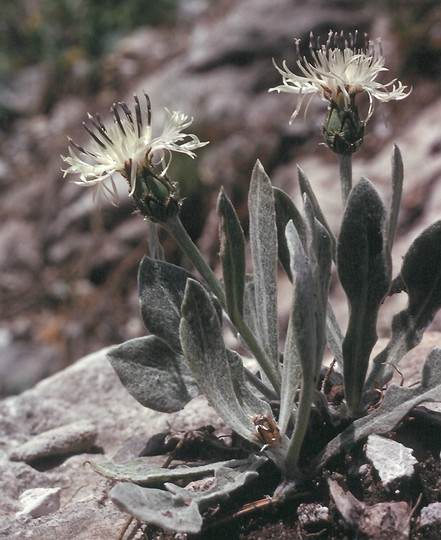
<point x="345" y="164"/>
<point x="302" y="421"/>
<point x="176" y="229"/>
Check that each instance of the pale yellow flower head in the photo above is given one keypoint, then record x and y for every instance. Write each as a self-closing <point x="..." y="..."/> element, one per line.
<point x="337" y="72"/>
<point x="128" y="147"/>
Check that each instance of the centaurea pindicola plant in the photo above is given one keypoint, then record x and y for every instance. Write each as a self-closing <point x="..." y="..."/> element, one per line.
<point x="185" y="355"/>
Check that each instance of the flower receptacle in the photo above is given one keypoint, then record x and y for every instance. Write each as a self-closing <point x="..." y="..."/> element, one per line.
<point x="155" y="195"/>
<point x="343" y="129"/>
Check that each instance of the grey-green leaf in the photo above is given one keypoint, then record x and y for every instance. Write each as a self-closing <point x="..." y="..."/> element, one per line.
<point x="158" y="507"/>
<point x="301" y="345"/>
<point x="232" y="255"/>
<point x="250" y="308"/>
<point x="161" y="290"/>
<point x="421" y="275"/>
<point x="263" y="239"/>
<point x="364" y="271"/>
<point x="153" y="374"/>
<point x="286" y="211"/>
<point x="205" y="352"/>
<point x="320" y="260"/>
<point x="247" y="397"/>
<point x="140" y="471"/>
<point x="397" y="189"/>
<point x="210" y="491"/>
<point x="334" y="337"/>
<point x="431" y="375"/>
<point x="178" y="508"/>
<point x="306" y="189"/>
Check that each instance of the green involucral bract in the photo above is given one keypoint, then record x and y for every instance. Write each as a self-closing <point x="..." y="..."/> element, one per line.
<point x="155" y="196"/>
<point x="343" y="130"/>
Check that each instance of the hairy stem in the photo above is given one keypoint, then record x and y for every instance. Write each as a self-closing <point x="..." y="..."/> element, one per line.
<point x="345" y="165"/>
<point x="302" y="420"/>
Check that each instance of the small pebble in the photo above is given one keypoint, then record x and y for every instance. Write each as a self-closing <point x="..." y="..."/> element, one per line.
<point x="391" y="459"/>
<point x="74" y="438"/>
<point x="39" y="502"/>
<point x="430" y="514"/>
<point x="363" y="469"/>
<point x="312" y="513"/>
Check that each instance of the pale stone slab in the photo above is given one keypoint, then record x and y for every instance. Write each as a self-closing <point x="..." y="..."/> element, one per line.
<point x="39" y="502"/>
<point x="391" y="459"/>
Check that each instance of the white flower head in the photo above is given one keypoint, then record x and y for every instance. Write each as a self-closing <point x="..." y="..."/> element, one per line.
<point x="128" y="147"/>
<point x="338" y="72"/>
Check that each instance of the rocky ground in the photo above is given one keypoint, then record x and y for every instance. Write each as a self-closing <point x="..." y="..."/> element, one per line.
<point x="51" y="433"/>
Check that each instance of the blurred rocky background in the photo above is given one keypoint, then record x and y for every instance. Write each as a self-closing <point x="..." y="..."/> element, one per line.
<point x="68" y="270"/>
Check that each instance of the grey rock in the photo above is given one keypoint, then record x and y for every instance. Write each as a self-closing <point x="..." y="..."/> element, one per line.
<point x="74" y="438"/>
<point x="88" y="390"/>
<point x="312" y="514"/>
<point x="16" y="95"/>
<point x="242" y="35"/>
<point x="16" y="255"/>
<point x="430" y="514"/>
<point x="39" y="502"/>
<point x="381" y="521"/>
<point x="391" y="459"/>
<point x="23" y="364"/>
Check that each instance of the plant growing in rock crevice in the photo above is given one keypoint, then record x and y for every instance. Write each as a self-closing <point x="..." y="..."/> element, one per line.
<point x="185" y="354"/>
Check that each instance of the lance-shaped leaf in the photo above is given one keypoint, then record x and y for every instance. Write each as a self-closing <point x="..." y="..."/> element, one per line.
<point x="153" y="374"/>
<point x="206" y="355"/>
<point x="397" y="189"/>
<point x="263" y="239"/>
<point x="364" y="271"/>
<point x="421" y="276"/>
<point x="141" y="471"/>
<point x="286" y="211"/>
<point x="232" y="255"/>
<point x="397" y="403"/>
<point x="300" y="347"/>
<point x="306" y="189"/>
<point x="250" y="308"/>
<point x="320" y="260"/>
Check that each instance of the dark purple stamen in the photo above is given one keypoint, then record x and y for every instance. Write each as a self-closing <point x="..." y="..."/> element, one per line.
<point x="117" y="118"/>
<point x="94" y="137"/>
<point x="100" y="127"/>
<point x="138" y="115"/>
